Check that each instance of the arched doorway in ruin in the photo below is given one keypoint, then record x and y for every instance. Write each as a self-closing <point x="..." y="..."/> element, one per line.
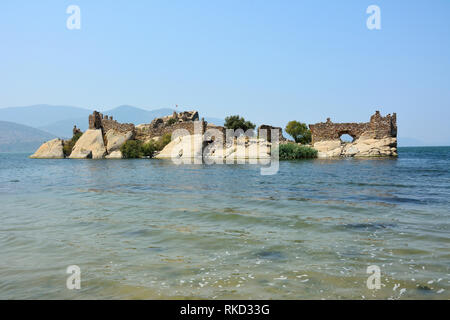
<point x="346" y="136"/>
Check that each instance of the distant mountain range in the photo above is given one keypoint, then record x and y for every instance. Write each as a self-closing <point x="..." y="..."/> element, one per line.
<point x="59" y="120"/>
<point x="41" y="115"/>
<point x="16" y="137"/>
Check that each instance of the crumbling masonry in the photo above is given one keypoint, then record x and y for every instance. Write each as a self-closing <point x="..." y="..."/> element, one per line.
<point x="375" y="138"/>
<point x="379" y="127"/>
<point x="99" y="121"/>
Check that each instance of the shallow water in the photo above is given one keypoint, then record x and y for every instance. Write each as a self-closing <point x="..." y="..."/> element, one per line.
<point x="148" y="229"/>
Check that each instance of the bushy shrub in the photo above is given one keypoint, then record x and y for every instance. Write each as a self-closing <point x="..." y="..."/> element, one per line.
<point x="164" y="141"/>
<point x="136" y="149"/>
<point x="68" y="145"/>
<point x="132" y="149"/>
<point x="236" y="122"/>
<point x="148" y="149"/>
<point x="171" y="121"/>
<point x="292" y="151"/>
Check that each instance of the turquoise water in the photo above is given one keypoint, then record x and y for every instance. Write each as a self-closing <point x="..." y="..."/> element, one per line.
<point x="148" y="229"/>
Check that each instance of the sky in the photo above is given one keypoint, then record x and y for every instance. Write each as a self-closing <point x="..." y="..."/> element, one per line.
<point x="269" y="61"/>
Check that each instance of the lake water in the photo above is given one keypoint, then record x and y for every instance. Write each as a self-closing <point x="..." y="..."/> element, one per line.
<point x="149" y="229"/>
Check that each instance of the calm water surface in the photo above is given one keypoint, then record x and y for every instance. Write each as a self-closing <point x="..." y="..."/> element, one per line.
<point x="148" y="229"/>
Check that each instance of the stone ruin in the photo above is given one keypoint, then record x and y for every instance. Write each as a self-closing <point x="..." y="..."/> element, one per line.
<point x="75" y="130"/>
<point x="185" y="116"/>
<point x="105" y="136"/>
<point x="268" y="132"/>
<point x="186" y="120"/>
<point x="378" y="137"/>
<point x="99" y="121"/>
<point x="378" y="127"/>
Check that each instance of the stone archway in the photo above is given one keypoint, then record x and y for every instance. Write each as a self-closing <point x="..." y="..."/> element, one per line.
<point x="380" y="137"/>
<point x="346" y="136"/>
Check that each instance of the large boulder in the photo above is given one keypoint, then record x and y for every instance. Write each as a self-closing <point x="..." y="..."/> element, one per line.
<point x="115" y="139"/>
<point x="52" y="149"/>
<point x="365" y="146"/>
<point x="193" y="147"/>
<point x="115" y="155"/>
<point x="90" y="145"/>
<point x="188" y="146"/>
<point x="386" y="147"/>
<point x="242" y="148"/>
<point x="328" y="149"/>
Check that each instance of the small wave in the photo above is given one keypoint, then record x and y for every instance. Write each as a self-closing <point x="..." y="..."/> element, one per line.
<point x="271" y="255"/>
<point x="370" y="226"/>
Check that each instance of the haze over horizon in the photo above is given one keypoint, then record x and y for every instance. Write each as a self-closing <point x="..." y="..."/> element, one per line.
<point x="270" y="62"/>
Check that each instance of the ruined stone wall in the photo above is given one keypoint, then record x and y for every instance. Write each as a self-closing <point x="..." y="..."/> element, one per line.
<point x="268" y="134"/>
<point x="211" y="130"/>
<point x="379" y="127"/>
<point x="99" y="121"/>
<point x="147" y="131"/>
<point x="113" y="124"/>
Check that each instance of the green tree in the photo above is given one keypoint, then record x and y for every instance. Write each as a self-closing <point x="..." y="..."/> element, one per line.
<point x="236" y="122"/>
<point x="164" y="141"/>
<point x="132" y="149"/>
<point x="148" y="149"/>
<point x="299" y="131"/>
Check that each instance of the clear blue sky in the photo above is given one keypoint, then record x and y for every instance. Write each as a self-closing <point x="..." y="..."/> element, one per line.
<point x="269" y="61"/>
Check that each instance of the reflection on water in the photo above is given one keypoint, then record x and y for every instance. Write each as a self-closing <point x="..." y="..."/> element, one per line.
<point x="148" y="229"/>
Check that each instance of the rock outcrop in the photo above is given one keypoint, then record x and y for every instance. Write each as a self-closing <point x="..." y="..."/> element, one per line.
<point x="114" y="155"/>
<point x="328" y="149"/>
<point x="115" y="139"/>
<point x="89" y="146"/>
<point x="362" y="147"/>
<point x="52" y="149"/>
<point x="194" y="147"/>
<point x="185" y="147"/>
<point x="371" y="147"/>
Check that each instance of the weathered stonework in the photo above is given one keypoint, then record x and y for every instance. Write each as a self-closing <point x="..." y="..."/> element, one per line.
<point x="187" y="120"/>
<point x="75" y="130"/>
<point x="375" y="138"/>
<point x="99" y="121"/>
<point x="267" y="134"/>
<point x="112" y="133"/>
<point x="379" y="127"/>
<point x="115" y="139"/>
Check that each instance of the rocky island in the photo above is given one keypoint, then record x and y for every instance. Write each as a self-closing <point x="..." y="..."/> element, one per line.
<point x="191" y="137"/>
